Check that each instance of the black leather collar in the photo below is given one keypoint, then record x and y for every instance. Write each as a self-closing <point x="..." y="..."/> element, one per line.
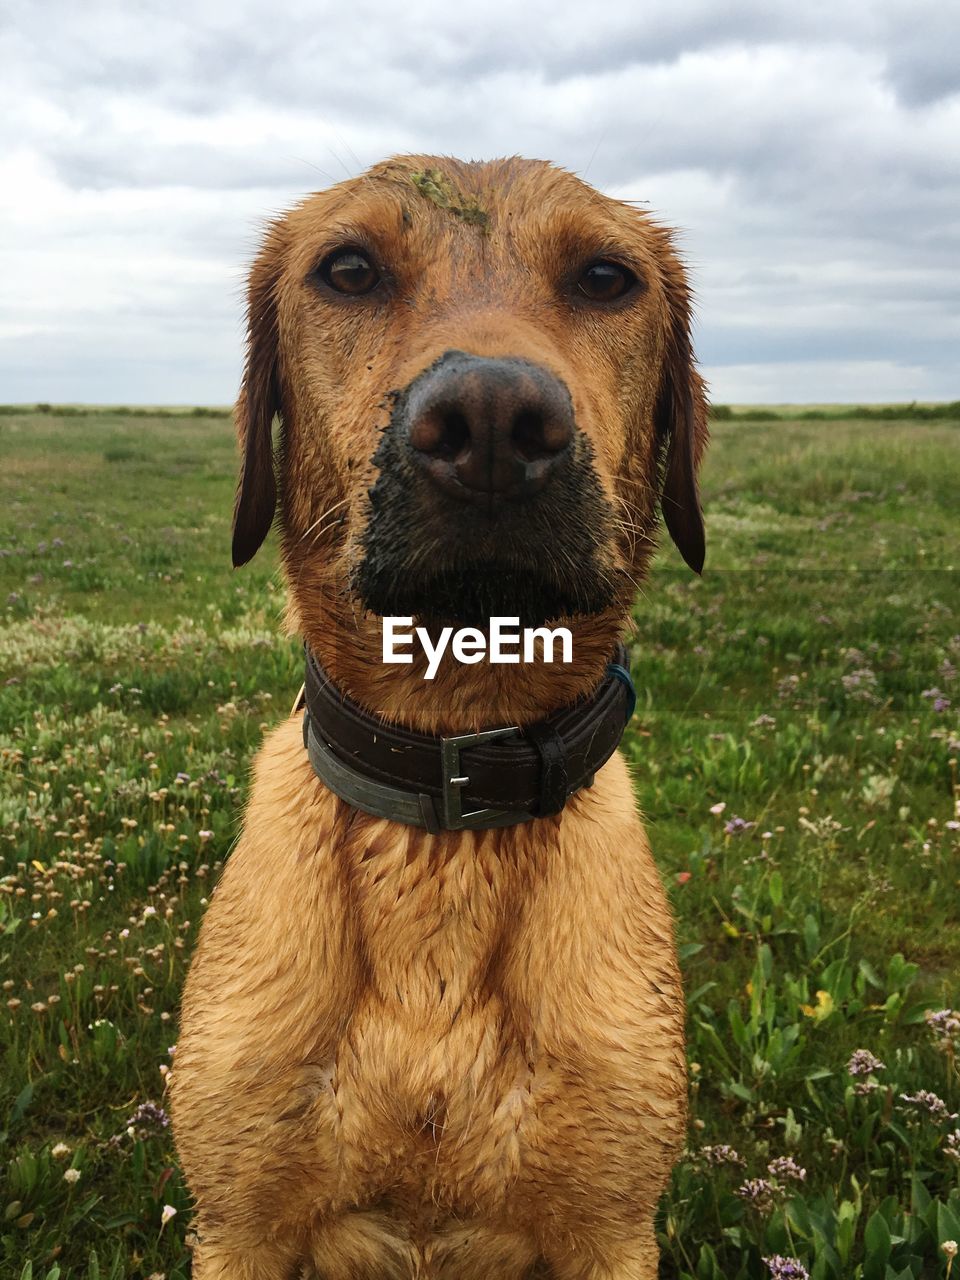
<point x="494" y="778"/>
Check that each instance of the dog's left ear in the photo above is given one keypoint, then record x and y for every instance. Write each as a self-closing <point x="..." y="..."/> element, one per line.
<point x="257" y="405"/>
<point x="681" y="425"/>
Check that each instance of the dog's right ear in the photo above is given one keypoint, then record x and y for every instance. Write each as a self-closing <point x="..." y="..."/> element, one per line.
<point x="681" y="421"/>
<point x="257" y="405"/>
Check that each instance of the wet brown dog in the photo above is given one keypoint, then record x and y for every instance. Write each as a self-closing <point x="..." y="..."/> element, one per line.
<point x="460" y="1055"/>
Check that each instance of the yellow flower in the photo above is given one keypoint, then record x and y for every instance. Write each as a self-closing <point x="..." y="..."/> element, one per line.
<point x="824" y="1007"/>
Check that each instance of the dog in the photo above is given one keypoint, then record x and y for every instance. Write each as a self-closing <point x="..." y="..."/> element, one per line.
<point x="418" y="1047"/>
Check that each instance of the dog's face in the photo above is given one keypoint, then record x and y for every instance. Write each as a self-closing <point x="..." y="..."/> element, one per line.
<point x="485" y="384"/>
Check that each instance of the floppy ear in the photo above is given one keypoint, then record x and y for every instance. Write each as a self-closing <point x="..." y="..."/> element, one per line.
<point x="681" y="425"/>
<point x="257" y="405"/>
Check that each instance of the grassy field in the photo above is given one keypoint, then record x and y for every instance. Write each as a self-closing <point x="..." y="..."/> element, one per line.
<point x="795" y="752"/>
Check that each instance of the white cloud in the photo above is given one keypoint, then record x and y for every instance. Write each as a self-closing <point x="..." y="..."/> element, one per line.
<point x="807" y="152"/>
<point x="826" y="382"/>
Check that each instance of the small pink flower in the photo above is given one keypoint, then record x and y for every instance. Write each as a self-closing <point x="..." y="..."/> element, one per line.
<point x="737" y="826"/>
<point x="863" y="1062"/>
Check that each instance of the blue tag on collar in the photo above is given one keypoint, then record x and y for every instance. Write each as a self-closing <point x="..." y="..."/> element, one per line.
<point x="623" y="675"/>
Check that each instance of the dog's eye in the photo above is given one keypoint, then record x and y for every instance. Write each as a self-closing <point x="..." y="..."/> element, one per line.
<point x="605" y="281"/>
<point x="349" y="271"/>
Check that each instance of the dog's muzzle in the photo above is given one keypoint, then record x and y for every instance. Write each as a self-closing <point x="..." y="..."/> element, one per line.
<point x="488" y="501"/>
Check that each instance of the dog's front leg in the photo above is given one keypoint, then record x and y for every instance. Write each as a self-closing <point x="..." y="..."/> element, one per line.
<point x="637" y="1259"/>
<point x="268" y="1261"/>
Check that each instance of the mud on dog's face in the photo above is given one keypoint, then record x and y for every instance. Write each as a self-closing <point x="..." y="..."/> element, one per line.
<point x="485" y="387"/>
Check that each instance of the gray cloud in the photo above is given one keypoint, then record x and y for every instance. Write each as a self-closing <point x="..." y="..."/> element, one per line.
<point x="808" y="152"/>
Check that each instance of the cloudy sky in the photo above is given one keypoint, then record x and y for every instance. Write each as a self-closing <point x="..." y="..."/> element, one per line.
<point x="810" y="152"/>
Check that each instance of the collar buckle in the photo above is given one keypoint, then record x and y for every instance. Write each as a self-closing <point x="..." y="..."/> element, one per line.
<point x="454" y="819"/>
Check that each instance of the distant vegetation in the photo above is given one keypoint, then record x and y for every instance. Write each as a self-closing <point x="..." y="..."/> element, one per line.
<point x="116" y="411"/>
<point x="912" y="412"/>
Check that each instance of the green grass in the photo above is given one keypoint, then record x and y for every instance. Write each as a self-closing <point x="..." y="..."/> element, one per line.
<point x="791" y="685"/>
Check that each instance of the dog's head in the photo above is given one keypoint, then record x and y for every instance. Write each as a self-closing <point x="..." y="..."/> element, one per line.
<point x="485" y="386"/>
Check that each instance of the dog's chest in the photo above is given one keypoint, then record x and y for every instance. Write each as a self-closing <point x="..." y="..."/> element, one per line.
<point x="436" y="1105"/>
<point x="433" y="1078"/>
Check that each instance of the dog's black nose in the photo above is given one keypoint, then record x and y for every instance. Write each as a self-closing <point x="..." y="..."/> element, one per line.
<point x="484" y="428"/>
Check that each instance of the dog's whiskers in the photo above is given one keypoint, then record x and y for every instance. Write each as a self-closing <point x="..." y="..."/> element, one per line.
<point x="319" y="520"/>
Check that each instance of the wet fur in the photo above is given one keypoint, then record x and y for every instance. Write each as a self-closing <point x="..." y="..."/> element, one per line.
<point x="454" y="1057"/>
<point x="446" y="562"/>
